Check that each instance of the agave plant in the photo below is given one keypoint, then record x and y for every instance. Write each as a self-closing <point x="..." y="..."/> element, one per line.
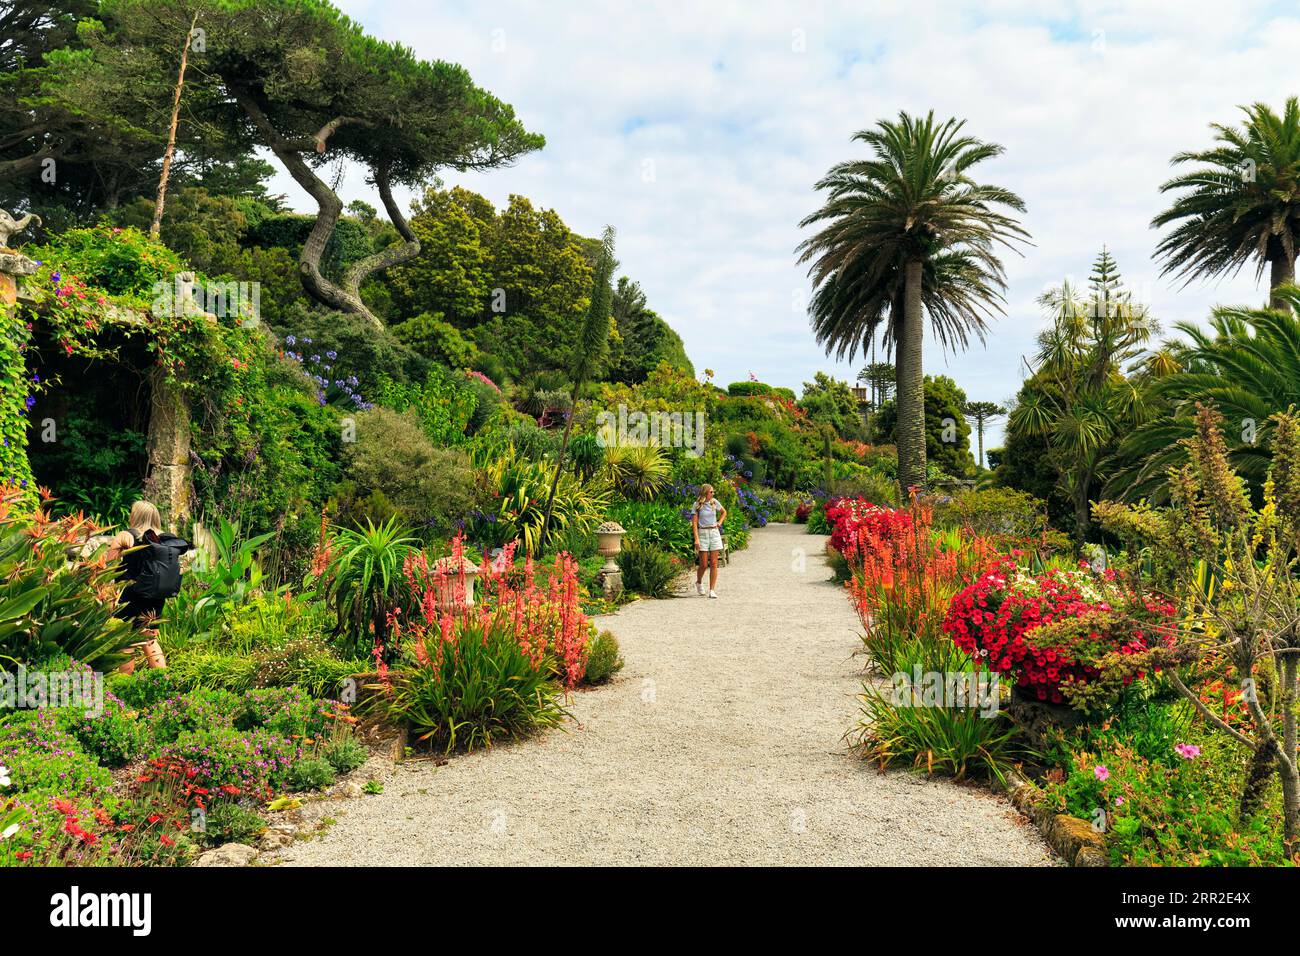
<point x="638" y="472"/>
<point x="366" y="583"/>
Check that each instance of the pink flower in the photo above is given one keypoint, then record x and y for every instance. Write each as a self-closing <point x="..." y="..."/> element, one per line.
<point x="1188" y="751"/>
<point x="1101" y="773"/>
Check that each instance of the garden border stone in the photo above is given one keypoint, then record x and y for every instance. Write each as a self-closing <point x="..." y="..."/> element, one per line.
<point x="1072" y="838"/>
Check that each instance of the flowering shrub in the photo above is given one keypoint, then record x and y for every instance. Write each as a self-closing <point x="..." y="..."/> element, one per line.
<point x="254" y="761"/>
<point x="855" y="521"/>
<point x="995" y="619"/>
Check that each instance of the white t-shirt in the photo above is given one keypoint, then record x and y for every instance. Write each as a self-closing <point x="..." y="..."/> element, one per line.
<point x="707" y="512"/>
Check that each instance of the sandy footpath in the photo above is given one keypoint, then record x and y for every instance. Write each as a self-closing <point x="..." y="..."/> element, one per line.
<point x="719" y="743"/>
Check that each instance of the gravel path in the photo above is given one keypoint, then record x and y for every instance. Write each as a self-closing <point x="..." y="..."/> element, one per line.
<point x="719" y="743"/>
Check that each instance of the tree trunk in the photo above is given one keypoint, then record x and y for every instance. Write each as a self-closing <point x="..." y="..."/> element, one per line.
<point x="1287" y="759"/>
<point x="910" y="400"/>
<point x="1282" y="270"/>
<point x="979" y="433"/>
<point x="161" y="200"/>
<point x="1082" y="512"/>
<point x="1263" y="763"/>
<point x="345" y="297"/>
<point x="559" y="467"/>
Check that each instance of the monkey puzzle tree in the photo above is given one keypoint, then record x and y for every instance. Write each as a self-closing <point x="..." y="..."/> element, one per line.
<point x="981" y="413"/>
<point x="306" y="82"/>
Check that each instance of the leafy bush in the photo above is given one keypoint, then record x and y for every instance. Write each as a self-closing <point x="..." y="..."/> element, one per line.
<point x="652" y="522"/>
<point x="227" y="821"/>
<point x="603" y="658"/>
<point x="994" y="511"/>
<point x="114" y="737"/>
<point x="477" y="691"/>
<point x="344" y="753"/>
<point x="287" y="712"/>
<point x="254" y="762"/>
<point x="50" y="605"/>
<point x="311" y="773"/>
<point x="519" y="488"/>
<point x="638" y="472"/>
<point x="41" y="755"/>
<point x="443" y="404"/>
<point x="647" y="569"/>
<point x="364" y="582"/>
<point x="198" y="710"/>
<point x="430" y="487"/>
<point x="144" y="687"/>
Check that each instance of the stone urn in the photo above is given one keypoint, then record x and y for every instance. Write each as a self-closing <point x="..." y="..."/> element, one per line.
<point x="451" y="575"/>
<point x="609" y="538"/>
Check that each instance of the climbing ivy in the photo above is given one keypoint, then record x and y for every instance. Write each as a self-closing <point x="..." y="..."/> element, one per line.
<point x="15" y="398"/>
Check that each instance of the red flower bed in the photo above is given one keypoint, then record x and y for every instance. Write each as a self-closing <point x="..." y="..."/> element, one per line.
<point x="994" y="618"/>
<point x="855" y="521"/>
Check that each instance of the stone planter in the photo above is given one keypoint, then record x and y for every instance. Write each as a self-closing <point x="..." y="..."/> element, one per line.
<point x="609" y="538"/>
<point x="452" y="574"/>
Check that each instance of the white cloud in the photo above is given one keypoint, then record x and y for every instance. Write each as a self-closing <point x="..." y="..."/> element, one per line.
<point x="1090" y="99"/>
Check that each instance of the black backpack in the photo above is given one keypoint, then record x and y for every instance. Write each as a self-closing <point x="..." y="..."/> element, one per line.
<point x="154" y="565"/>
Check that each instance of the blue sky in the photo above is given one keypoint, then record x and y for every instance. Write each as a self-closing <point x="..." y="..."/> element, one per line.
<point x="698" y="132"/>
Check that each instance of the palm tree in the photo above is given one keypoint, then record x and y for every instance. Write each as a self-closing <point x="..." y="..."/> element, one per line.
<point x="1247" y="365"/>
<point x="903" y="234"/>
<point x="589" y="348"/>
<point x="982" y="413"/>
<point x="1242" y="203"/>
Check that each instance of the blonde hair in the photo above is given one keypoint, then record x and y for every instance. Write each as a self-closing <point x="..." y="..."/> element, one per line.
<point x="706" y="487"/>
<point x="145" y="517"/>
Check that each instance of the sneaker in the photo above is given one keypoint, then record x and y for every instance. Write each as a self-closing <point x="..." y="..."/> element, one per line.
<point x="713" y="594"/>
<point x="699" y="588"/>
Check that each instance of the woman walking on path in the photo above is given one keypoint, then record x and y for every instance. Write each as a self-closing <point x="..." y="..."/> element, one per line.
<point x="706" y="519"/>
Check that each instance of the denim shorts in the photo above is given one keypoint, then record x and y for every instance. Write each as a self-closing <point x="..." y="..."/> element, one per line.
<point x="710" y="539"/>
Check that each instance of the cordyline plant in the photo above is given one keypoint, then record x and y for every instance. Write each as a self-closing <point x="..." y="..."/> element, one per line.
<point x="1233" y="573"/>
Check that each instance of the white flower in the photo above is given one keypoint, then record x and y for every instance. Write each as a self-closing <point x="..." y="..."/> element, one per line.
<point x="4" y="776"/>
<point x="10" y="831"/>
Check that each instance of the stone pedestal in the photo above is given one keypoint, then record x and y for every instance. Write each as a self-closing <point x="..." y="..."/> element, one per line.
<point x="611" y="583"/>
<point x="168" y="486"/>
<point x="13" y="266"/>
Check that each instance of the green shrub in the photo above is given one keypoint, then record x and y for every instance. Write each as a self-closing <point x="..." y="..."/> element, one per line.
<point x="114" y="737"/>
<point x="285" y="711"/>
<point x="144" y="687"/>
<point x="364" y="582"/>
<point x="199" y="710"/>
<point x="430" y="487"/>
<point x="254" y="761"/>
<point x="42" y="756"/>
<point x="199" y="668"/>
<point x="655" y="523"/>
<point x="268" y="622"/>
<point x="344" y="753"/>
<point x="227" y="821"/>
<point x="993" y="511"/>
<point x="312" y="773"/>
<point x="433" y="337"/>
<point x="955" y="740"/>
<point x="603" y="658"/>
<point x="306" y="662"/>
<point x="488" y="690"/>
<point x="647" y="569"/>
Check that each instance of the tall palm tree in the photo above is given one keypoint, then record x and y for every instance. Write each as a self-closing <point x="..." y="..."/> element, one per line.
<point x="903" y="234"/>
<point x="1242" y="203"/>
<point x="1247" y="365"/>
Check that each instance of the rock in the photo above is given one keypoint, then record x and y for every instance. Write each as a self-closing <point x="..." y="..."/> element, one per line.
<point x="274" y="840"/>
<point x="348" y="791"/>
<point x="230" y="854"/>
